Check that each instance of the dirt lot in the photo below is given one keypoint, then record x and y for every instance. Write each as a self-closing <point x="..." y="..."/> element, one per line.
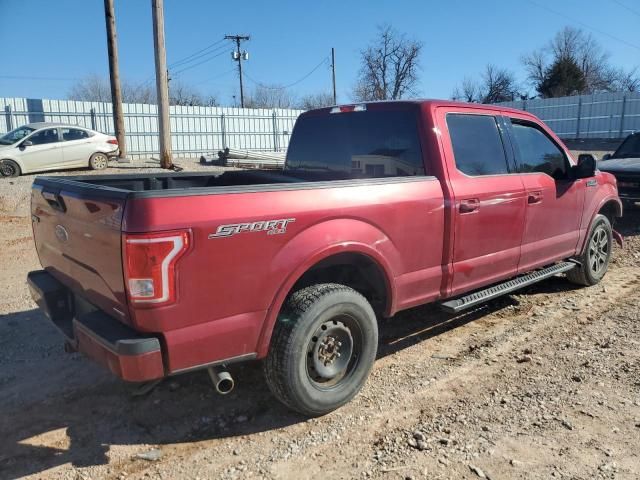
<point x="537" y="385"/>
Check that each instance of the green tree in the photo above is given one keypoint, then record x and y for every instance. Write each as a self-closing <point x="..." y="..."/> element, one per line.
<point x="563" y="78"/>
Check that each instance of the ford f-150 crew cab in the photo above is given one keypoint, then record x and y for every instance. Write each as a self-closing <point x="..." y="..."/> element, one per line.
<point x="380" y="207"/>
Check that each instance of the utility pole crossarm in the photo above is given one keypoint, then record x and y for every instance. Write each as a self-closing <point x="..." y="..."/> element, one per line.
<point x="238" y="54"/>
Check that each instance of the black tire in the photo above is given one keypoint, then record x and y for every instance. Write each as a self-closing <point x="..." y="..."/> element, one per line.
<point x="323" y="346"/>
<point x="99" y="161"/>
<point x="595" y="258"/>
<point x="9" y="168"/>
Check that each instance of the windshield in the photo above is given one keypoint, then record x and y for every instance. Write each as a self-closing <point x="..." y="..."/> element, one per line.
<point x="357" y="144"/>
<point x="629" y="148"/>
<point x="15" y="135"/>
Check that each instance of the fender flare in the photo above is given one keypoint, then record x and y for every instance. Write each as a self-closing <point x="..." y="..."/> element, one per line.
<point x="608" y="199"/>
<point x="344" y="247"/>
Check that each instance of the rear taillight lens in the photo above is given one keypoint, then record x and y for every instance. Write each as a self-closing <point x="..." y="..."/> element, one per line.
<point x="150" y="266"/>
<point x="113" y="141"/>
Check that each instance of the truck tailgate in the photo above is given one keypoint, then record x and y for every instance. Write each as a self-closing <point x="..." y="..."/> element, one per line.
<point x="77" y="237"/>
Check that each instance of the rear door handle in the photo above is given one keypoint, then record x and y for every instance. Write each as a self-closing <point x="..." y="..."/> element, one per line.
<point x="534" y="197"/>
<point x="469" y="205"/>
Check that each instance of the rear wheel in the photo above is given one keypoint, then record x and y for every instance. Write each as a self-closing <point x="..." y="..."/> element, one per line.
<point x="9" y="168"/>
<point x="322" y="350"/>
<point x="98" y="161"/>
<point x="594" y="260"/>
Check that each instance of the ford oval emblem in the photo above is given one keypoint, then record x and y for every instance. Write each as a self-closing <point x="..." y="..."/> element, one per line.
<point x="61" y="233"/>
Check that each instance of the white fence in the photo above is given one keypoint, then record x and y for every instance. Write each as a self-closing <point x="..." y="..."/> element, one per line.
<point x="601" y="115"/>
<point x="205" y="130"/>
<point x="194" y="130"/>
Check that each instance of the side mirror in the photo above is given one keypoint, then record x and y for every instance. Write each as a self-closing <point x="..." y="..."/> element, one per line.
<point x="26" y="143"/>
<point x="586" y="166"/>
<point x="606" y="156"/>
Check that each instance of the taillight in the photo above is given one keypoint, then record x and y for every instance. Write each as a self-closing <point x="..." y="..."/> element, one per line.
<point x="113" y="141"/>
<point x="150" y="266"/>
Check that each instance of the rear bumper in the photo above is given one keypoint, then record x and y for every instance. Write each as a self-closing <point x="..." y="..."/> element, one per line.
<point x="127" y="353"/>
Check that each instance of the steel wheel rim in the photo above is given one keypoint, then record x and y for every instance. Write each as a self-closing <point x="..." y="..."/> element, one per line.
<point x="333" y="351"/>
<point x="100" y="161"/>
<point x="599" y="249"/>
<point x="7" y="169"/>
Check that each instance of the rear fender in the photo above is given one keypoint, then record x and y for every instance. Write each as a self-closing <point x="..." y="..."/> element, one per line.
<point x="319" y="242"/>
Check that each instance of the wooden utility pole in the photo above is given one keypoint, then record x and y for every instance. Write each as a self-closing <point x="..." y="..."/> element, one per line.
<point x="333" y="74"/>
<point x="114" y="76"/>
<point x="238" y="55"/>
<point x="162" y="83"/>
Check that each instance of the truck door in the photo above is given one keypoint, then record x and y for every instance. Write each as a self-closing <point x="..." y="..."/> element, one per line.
<point x="554" y="200"/>
<point x="488" y="199"/>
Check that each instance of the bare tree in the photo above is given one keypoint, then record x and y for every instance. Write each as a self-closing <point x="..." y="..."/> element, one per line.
<point x="536" y="65"/>
<point x="496" y="85"/>
<point x="182" y="94"/>
<point x="625" y="80"/>
<point x="389" y="67"/>
<point x="269" y="96"/>
<point x="468" y="91"/>
<point x="574" y="45"/>
<point x="92" y="88"/>
<point x="315" y="100"/>
<point x="138" y="93"/>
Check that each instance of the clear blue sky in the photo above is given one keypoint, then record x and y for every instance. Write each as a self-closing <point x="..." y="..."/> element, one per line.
<point x="48" y="44"/>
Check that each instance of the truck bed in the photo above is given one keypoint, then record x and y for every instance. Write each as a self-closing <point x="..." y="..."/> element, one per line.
<point x="172" y="184"/>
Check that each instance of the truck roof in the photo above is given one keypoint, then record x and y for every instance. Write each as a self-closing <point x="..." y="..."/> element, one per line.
<point x="436" y="103"/>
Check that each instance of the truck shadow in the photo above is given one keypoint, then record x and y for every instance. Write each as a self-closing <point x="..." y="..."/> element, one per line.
<point x="79" y="412"/>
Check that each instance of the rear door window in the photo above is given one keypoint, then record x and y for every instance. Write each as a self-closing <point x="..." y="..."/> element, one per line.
<point x="369" y="144"/>
<point x="70" y="134"/>
<point x="537" y="153"/>
<point x="477" y="144"/>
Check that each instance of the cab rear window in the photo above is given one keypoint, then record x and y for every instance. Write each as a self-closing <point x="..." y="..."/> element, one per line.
<point x="358" y="144"/>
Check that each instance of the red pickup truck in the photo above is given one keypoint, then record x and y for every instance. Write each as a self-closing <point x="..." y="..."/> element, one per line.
<point x="381" y="207"/>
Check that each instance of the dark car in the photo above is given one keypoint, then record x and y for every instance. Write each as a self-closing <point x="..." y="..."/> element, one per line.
<point x="624" y="164"/>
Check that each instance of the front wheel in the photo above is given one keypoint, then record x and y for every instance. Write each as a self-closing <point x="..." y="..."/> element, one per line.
<point x="595" y="258"/>
<point x="322" y="350"/>
<point x="9" y="168"/>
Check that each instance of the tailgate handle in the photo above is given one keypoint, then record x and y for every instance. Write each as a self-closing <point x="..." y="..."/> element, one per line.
<point x="54" y="200"/>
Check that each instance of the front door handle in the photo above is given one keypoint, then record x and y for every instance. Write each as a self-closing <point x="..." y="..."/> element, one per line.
<point x="469" y="205"/>
<point x="534" y="197"/>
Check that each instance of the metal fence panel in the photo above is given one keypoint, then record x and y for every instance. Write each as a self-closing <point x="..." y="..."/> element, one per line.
<point x="195" y="130"/>
<point x="600" y="115"/>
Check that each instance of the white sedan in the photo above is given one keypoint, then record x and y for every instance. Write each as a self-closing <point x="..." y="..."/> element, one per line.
<point x="37" y="147"/>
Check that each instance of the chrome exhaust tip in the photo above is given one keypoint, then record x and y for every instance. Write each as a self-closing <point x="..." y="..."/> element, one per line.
<point x="221" y="379"/>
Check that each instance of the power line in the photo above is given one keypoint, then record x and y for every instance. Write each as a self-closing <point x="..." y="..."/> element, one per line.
<point x="191" y="58"/>
<point x="324" y="61"/>
<point x="27" y="77"/>
<point x="208" y="80"/>
<point x="196" y="64"/>
<point x="198" y="54"/>
<point x="627" y="7"/>
<point x="589" y="27"/>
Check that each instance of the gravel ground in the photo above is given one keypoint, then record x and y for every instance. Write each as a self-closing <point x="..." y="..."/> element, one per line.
<point x="542" y="384"/>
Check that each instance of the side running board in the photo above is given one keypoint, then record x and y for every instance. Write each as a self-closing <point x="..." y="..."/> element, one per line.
<point x="471" y="300"/>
